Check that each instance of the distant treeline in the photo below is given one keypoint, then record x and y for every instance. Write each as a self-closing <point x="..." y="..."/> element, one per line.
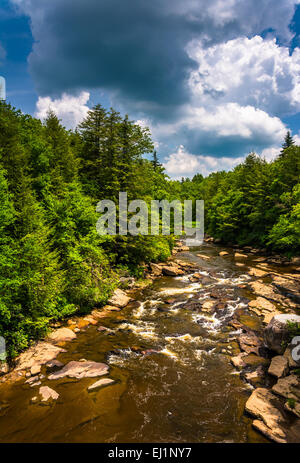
<point x="52" y="261"/>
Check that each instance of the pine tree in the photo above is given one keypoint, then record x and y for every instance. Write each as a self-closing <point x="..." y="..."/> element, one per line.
<point x="155" y="161"/>
<point x="288" y="141"/>
<point x="93" y="132"/>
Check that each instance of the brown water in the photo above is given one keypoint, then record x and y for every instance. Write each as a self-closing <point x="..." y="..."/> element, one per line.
<point x="187" y="391"/>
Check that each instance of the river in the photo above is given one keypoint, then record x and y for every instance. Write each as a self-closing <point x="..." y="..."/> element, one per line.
<point x="173" y="378"/>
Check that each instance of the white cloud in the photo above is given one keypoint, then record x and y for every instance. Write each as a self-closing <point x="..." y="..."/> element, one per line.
<point x="228" y="129"/>
<point x="70" y="109"/>
<point x="252" y="72"/>
<point x="183" y="164"/>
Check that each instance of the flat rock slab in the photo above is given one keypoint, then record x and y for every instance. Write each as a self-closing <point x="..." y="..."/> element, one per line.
<point x="270" y="292"/>
<point x="262" y="304"/>
<point x="267" y="408"/>
<point x="62" y="335"/>
<point x="47" y="393"/>
<point x="39" y="354"/>
<point x="100" y="384"/>
<point x="255" y="272"/>
<point x="119" y="299"/>
<point x="288" y="387"/>
<point x="279" y="366"/>
<point x="79" y="370"/>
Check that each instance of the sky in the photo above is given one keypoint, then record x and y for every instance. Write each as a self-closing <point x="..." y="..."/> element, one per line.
<point x="212" y="80"/>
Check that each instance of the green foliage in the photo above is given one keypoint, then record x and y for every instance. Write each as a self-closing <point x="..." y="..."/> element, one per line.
<point x="52" y="261"/>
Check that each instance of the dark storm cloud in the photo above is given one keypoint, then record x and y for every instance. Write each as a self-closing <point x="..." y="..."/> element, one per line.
<point x="135" y="48"/>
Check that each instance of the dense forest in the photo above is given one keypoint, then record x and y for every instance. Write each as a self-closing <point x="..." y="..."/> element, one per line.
<point x="53" y="263"/>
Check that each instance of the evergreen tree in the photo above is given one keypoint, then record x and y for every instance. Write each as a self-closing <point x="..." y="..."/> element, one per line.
<point x="155" y="162"/>
<point x="288" y="142"/>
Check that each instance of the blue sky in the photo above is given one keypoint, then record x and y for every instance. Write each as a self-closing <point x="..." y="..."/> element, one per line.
<point x="212" y="80"/>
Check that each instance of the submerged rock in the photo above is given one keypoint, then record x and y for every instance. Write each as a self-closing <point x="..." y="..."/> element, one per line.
<point x="101" y="383"/>
<point x="47" y="393"/>
<point x="79" y="370"/>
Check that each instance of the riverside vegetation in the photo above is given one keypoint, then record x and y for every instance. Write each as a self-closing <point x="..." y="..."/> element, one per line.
<point x="53" y="264"/>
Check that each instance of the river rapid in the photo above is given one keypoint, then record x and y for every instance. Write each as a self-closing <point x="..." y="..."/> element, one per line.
<point x="171" y="364"/>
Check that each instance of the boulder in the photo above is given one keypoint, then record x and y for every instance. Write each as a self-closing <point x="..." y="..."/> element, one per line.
<point x="91" y="320"/>
<point x="100" y="383"/>
<point x="119" y="299"/>
<point x="293" y="407"/>
<point x="62" y="335"/>
<point x="279" y="366"/>
<point x="155" y="269"/>
<point x="288" y="354"/>
<point x="288" y="387"/>
<point x="266" y="407"/>
<point x="172" y="271"/>
<point x="47" y="393"/>
<point x="4" y="368"/>
<point x="250" y="343"/>
<point x="54" y="364"/>
<point x="223" y="253"/>
<point x="256" y="378"/>
<point x="238" y="361"/>
<point x="288" y="285"/>
<point x="35" y="369"/>
<point x="79" y="370"/>
<point x="277" y="334"/>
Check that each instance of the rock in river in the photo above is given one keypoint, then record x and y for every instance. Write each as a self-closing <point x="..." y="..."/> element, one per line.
<point x="62" y="335"/>
<point x="79" y="370"/>
<point x="277" y="333"/>
<point x="100" y="383"/>
<point x="264" y="405"/>
<point x="39" y="354"/>
<point x="119" y="299"/>
<point x="48" y="394"/>
<point x="172" y="271"/>
<point x="279" y="366"/>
